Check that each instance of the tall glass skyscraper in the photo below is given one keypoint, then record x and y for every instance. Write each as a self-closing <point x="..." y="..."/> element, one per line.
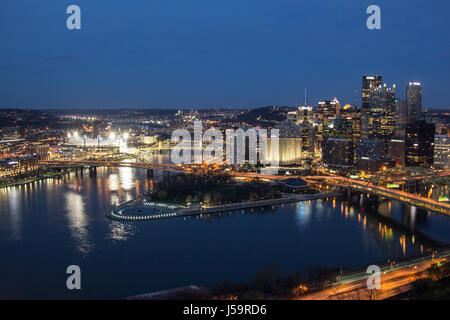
<point x="381" y="114"/>
<point x="368" y="84"/>
<point x="414" y="101"/>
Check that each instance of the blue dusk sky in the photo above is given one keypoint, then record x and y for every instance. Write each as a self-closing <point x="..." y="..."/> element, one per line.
<point x="217" y="53"/>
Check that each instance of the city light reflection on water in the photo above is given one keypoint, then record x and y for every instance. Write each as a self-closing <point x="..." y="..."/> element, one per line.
<point x="78" y="221"/>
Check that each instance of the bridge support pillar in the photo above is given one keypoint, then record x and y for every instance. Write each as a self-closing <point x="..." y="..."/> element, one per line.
<point x="92" y="171"/>
<point x="150" y="173"/>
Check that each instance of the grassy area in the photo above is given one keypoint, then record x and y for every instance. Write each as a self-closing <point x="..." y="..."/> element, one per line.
<point x="212" y="190"/>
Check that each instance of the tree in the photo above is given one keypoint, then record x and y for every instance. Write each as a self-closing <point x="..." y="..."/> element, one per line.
<point x="217" y="197"/>
<point x="265" y="280"/>
<point x="435" y="272"/>
<point x="207" y="199"/>
<point x="162" y="194"/>
<point x="254" y="196"/>
<point x="189" y="199"/>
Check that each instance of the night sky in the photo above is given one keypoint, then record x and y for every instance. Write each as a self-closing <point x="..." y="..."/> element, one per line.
<point x="217" y="53"/>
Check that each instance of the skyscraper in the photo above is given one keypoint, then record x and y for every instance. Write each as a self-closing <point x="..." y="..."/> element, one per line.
<point x="368" y="84"/>
<point x="338" y="152"/>
<point x="414" y="101"/>
<point x="381" y="114"/>
<point x="401" y="117"/>
<point x="419" y="144"/>
<point x="326" y="111"/>
<point x="353" y="114"/>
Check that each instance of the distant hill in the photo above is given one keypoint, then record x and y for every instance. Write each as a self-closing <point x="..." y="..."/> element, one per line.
<point x="265" y="116"/>
<point x="25" y="118"/>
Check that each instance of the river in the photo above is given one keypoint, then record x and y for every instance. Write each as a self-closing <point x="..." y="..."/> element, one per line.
<point x="47" y="225"/>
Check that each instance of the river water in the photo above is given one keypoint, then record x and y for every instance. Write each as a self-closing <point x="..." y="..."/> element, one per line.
<point x="47" y="225"/>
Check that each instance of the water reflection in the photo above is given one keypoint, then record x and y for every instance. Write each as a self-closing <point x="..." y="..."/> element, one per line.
<point x="304" y="211"/>
<point x="78" y="221"/>
<point x="114" y="182"/>
<point x="14" y="211"/>
<point x="121" y="231"/>
<point x="325" y="233"/>
<point x="126" y="176"/>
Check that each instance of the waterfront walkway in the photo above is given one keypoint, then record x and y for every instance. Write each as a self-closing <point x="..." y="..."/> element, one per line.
<point x="139" y="209"/>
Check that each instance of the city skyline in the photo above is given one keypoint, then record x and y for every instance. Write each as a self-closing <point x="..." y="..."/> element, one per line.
<point x="246" y="153"/>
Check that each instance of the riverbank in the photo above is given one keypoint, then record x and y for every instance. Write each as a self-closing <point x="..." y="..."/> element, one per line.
<point x="34" y="179"/>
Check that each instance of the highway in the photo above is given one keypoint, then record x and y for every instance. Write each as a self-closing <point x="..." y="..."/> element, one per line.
<point x="393" y="281"/>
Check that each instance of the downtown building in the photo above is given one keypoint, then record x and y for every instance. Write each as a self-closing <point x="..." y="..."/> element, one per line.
<point x="338" y="153"/>
<point x="381" y="114"/>
<point x="289" y="144"/>
<point x="369" y="83"/>
<point x="326" y="111"/>
<point x="414" y="101"/>
<point x="442" y="152"/>
<point x="370" y="156"/>
<point x="419" y="144"/>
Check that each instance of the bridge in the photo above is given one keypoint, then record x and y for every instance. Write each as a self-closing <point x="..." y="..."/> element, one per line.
<point x="106" y="163"/>
<point x="371" y="188"/>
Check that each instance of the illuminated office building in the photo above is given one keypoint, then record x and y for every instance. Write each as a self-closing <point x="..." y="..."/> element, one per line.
<point x="381" y="124"/>
<point x="442" y="152"/>
<point x="326" y="110"/>
<point x="368" y="84"/>
<point x="353" y="115"/>
<point x="338" y="152"/>
<point x="370" y="156"/>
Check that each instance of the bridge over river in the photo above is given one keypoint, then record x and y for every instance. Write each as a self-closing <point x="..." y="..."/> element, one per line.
<point x="368" y="187"/>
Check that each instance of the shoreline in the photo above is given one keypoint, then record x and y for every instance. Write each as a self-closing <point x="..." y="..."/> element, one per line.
<point x="31" y="180"/>
<point x="117" y="212"/>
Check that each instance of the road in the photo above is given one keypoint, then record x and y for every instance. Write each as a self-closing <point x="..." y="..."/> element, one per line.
<point x="392" y="283"/>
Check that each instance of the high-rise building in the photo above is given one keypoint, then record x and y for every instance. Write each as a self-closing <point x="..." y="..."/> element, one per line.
<point x="338" y="152"/>
<point x="370" y="156"/>
<point x="396" y="150"/>
<point x="368" y="84"/>
<point x="401" y="117"/>
<point x="381" y="124"/>
<point x="442" y="152"/>
<point x="326" y="111"/>
<point x="414" y="101"/>
<point x="419" y="144"/>
<point x="353" y="114"/>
